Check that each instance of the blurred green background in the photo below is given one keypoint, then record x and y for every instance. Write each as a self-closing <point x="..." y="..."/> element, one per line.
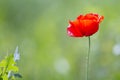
<point x="38" y="27"/>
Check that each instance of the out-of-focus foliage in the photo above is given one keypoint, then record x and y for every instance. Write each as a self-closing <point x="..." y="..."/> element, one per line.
<point x="8" y="68"/>
<point x="47" y="53"/>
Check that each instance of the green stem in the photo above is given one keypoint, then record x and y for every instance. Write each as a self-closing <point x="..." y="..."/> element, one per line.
<point x="5" y="69"/>
<point x="88" y="57"/>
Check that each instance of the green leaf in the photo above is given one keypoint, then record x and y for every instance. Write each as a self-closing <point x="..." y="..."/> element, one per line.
<point x="1" y="78"/>
<point x="11" y="64"/>
<point x="5" y="77"/>
<point x="0" y="71"/>
<point x="3" y="63"/>
<point x="13" y="68"/>
<point x="7" y="65"/>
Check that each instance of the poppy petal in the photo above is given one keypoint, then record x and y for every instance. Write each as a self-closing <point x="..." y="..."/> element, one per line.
<point x="74" y="30"/>
<point x="101" y="18"/>
<point x="90" y="27"/>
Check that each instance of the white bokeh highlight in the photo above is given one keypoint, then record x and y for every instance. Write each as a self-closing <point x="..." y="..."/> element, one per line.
<point x="62" y="66"/>
<point x="116" y="49"/>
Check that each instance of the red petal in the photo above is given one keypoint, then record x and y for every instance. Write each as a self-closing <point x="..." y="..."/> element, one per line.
<point x="80" y="17"/>
<point x="95" y="17"/>
<point x="90" y="27"/>
<point x="91" y="16"/>
<point x="74" y="29"/>
<point x="101" y="18"/>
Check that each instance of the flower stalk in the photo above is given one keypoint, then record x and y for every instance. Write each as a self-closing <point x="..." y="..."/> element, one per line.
<point x="88" y="59"/>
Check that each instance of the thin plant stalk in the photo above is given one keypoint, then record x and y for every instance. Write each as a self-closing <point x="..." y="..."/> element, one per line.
<point x="88" y="60"/>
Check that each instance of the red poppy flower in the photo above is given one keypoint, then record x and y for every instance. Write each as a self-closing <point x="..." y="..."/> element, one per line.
<point x="84" y="25"/>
